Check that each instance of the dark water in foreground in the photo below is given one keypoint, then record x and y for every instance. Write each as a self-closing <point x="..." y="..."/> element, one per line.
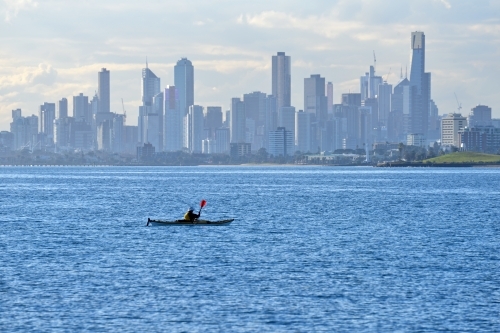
<point x="312" y="249"/>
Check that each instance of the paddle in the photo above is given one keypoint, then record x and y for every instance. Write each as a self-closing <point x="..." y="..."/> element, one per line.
<point x="203" y="203"/>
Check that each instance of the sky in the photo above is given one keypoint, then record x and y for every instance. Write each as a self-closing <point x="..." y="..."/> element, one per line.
<point x="52" y="49"/>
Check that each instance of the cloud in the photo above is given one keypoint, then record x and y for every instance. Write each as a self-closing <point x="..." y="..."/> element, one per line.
<point x="445" y="3"/>
<point x="44" y="74"/>
<point x="13" y="7"/>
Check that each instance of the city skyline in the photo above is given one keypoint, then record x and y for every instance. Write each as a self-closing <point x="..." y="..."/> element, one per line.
<point x="339" y="48"/>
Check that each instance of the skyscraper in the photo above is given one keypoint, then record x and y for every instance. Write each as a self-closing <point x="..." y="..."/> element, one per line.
<point x="315" y="101"/>
<point x="47" y="117"/>
<point x="237" y="121"/>
<point x="150" y="87"/>
<point x="184" y="83"/>
<point x="420" y="85"/>
<point x="173" y="120"/>
<point x="303" y="131"/>
<point x="103" y="91"/>
<point x="63" y="108"/>
<point x="81" y="108"/>
<point x="194" y="129"/>
<point x="329" y="97"/>
<point x="282" y="81"/>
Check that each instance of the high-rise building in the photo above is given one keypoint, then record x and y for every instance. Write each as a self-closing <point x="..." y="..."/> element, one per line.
<point x="452" y="123"/>
<point x="24" y="131"/>
<point x="401" y="110"/>
<point x="255" y="113"/>
<point x="369" y="84"/>
<point x="194" y="129"/>
<point x="150" y="85"/>
<point x="47" y="117"/>
<point x="173" y="120"/>
<point x="184" y="83"/>
<point x="213" y="120"/>
<point x="420" y="85"/>
<point x="104" y="91"/>
<point x="237" y="121"/>
<point x="81" y="108"/>
<point x="281" y="142"/>
<point x="286" y="119"/>
<point x="384" y="103"/>
<point x="329" y="97"/>
<point x="62" y="108"/>
<point x="315" y="101"/>
<point x="281" y="79"/>
<point x="303" y="131"/>
<point x="480" y="115"/>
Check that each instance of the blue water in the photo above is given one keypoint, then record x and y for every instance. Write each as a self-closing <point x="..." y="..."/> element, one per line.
<point x="311" y="249"/>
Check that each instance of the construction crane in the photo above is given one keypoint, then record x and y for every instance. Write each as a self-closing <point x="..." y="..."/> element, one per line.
<point x="387" y="76"/>
<point x="458" y="103"/>
<point x="124" y="112"/>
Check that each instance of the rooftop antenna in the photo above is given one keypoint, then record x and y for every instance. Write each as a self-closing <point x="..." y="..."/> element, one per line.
<point x="374" y="61"/>
<point x="146" y="67"/>
<point x="406" y="75"/>
<point x="401" y="76"/>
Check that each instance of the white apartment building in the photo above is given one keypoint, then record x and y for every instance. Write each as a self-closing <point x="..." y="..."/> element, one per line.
<point x="450" y="125"/>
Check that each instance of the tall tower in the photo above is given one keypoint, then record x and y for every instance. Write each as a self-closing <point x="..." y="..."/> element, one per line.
<point x="150" y="86"/>
<point x="315" y="101"/>
<point x="63" y="108"/>
<point x="329" y="97"/>
<point x="81" y="109"/>
<point x="420" y="85"/>
<point x="282" y="81"/>
<point x="237" y="121"/>
<point x="184" y="83"/>
<point x="103" y="91"/>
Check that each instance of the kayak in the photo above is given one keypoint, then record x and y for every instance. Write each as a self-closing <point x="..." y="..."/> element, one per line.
<point x="184" y="222"/>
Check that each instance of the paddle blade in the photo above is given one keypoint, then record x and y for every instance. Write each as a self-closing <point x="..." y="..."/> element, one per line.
<point x="203" y="203"/>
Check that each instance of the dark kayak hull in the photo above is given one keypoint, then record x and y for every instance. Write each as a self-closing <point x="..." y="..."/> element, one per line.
<point x="184" y="222"/>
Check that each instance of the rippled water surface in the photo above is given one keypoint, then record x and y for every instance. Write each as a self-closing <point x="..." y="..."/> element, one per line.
<point x="311" y="249"/>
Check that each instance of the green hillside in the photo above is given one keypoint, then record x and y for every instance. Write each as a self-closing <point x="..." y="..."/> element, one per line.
<point x="465" y="157"/>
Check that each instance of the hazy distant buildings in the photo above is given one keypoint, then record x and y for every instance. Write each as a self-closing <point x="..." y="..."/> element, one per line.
<point x="24" y="131"/>
<point x="184" y="83"/>
<point x="281" y="79"/>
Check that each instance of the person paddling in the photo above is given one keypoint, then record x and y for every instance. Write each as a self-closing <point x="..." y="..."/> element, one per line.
<point x="191" y="215"/>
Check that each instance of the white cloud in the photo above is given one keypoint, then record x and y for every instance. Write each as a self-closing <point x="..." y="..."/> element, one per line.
<point x="445" y="3"/>
<point x="13" y="7"/>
